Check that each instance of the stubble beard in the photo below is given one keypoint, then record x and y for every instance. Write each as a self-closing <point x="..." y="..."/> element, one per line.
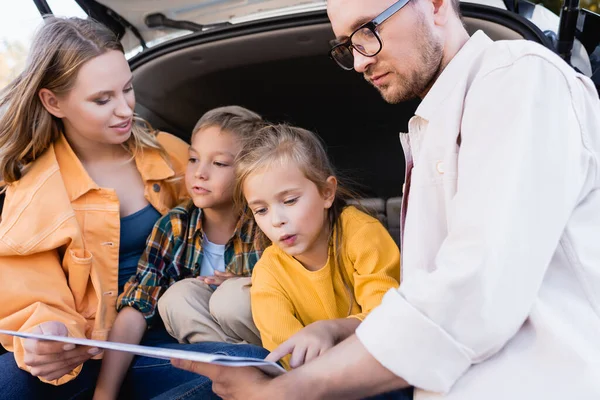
<point x="405" y="87"/>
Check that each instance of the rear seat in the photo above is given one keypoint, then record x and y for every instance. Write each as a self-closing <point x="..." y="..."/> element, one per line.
<point x="393" y="207"/>
<point x="374" y="206"/>
<point x="388" y="213"/>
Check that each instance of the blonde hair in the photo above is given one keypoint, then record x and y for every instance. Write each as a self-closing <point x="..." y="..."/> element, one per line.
<point x="276" y="145"/>
<point x="60" y="47"/>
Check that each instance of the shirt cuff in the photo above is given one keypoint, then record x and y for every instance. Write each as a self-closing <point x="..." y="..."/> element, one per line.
<point x="412" y="346"/>
<point x="360" y="317"/>
<point x="147" y="310"/>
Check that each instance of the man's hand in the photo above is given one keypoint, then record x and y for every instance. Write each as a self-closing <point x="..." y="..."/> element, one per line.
<point x="308" y="344"/>
<point x="52" y="360"/>
<point x="218" y="278"/>
<point x="232" y="383"/>
<point x="345" y="372"/>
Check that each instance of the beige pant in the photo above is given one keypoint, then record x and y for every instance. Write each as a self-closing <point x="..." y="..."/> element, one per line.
<point x="193" y="312"/>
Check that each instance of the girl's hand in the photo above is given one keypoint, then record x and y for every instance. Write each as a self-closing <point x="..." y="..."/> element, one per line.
<point x="312" y="341"/>
<point x="217" y="279"/>
<point x="52" y="360"/>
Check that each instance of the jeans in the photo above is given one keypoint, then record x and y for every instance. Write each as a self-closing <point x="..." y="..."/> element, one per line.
<point x="403" y="394"/>
<point x="147" y="377"/>
<point x="190" y="391"/>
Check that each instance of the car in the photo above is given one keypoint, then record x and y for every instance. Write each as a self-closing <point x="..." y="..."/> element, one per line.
<point x="188" y="56"/>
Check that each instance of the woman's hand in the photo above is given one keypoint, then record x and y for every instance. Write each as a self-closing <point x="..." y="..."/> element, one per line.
<point x="218" y="278"/>
<point x="52" y="360"/>
<point x="309" y="343"/>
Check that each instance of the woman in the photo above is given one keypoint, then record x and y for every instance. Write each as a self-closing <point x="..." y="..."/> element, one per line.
<point x="85" y="182"/>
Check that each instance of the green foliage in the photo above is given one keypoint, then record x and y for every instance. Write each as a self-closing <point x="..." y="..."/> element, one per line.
<point x="554" y="5"/>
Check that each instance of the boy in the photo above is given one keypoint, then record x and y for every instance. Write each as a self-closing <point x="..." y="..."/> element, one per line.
<point x="202" y="251"/>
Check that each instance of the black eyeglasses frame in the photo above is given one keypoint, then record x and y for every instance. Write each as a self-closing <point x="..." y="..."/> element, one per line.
<point x="372" y="26"/>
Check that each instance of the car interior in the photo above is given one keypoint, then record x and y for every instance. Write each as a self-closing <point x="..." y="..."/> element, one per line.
<point x="281" y="70"/>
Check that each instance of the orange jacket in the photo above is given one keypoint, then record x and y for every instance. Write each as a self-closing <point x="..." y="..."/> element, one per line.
<point x="59" y="242"/>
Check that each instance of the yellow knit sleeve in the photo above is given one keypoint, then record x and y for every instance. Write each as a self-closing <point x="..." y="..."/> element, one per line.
<point x="376" y="260"/>
<point x="272" y="310"/>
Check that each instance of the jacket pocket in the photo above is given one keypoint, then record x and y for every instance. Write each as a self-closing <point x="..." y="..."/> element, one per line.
<point x="78" y="264"/>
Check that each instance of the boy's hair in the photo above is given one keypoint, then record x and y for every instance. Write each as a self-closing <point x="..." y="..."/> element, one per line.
<point x="234" y="119"/>
<point x="59" y="49"/>
<point x="279" y="145"/>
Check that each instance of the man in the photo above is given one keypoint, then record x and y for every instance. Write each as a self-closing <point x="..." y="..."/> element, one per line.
<point x="500" y="296"/>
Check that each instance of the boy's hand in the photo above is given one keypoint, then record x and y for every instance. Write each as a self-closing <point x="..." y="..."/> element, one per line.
<point x="306" y="345"/>
<point x="218" y="278"/>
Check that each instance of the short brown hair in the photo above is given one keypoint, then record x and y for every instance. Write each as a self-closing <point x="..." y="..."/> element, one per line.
<point x="234" y="119"/>
<point x="455" y="7"/>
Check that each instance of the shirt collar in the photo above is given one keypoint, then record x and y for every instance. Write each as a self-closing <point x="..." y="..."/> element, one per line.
<point x="149" y="162"/>
<point x="244" y="228"/>
<point x="450" y="76"/>
<point x="153" y="166"/>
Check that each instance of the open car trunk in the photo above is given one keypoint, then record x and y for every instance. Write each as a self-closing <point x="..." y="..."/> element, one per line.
<point x="280" y="69"/>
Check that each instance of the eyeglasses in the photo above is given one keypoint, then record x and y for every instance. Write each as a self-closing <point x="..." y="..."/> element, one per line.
<point x="365" y="39"/>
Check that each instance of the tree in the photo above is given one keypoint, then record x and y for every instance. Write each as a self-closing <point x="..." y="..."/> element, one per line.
<point x="555" y="5"/>
<point x="592" y="5"/>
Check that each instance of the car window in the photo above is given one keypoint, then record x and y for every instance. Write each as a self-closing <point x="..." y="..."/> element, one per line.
<point x="66" y="8"/>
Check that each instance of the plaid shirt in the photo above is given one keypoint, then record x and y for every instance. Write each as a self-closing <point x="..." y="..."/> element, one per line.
<point x="174" y="252"/>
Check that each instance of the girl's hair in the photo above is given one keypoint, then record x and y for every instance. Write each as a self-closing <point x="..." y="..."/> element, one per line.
<point x="280" y="145"/>
<point x="234" y="119"/>
<point x="60" y="47"/>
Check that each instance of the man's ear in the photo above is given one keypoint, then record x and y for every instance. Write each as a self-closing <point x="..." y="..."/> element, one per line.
<point x="329" y="191"/>
<point x="50" y="102"/>
<point x="441" y="11"/>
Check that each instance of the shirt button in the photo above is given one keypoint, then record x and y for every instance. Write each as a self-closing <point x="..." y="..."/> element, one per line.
<point x="440" y="167"/>
<point x="156" y="187"/>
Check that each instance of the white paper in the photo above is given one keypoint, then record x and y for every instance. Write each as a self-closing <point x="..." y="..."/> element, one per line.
<point x="267" y="367"/>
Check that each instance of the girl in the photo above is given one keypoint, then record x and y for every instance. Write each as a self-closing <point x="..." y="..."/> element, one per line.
<point x="329" y="264"/>
<point x="86" y="181"/>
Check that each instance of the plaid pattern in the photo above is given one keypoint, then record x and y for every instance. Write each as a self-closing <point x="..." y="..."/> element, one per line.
<point x="174" y="252"/>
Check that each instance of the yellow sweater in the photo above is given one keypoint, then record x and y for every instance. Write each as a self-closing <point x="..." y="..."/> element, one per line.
<point x="287" y="297"/>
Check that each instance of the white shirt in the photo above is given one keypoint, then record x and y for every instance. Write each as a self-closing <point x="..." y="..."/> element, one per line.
<point x="213" y="258"/>
<point x="500" y="296"/>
